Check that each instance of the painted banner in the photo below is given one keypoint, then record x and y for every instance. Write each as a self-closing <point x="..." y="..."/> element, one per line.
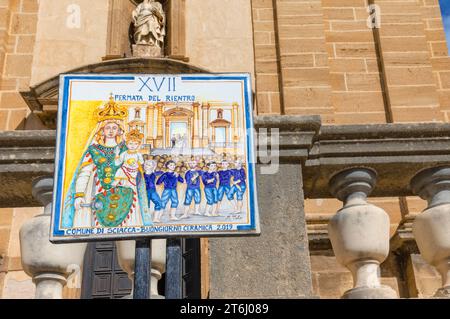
<point x="154" y="156"/>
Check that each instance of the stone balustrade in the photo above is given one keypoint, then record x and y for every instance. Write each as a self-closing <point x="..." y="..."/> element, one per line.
<point x="346" y="162"/>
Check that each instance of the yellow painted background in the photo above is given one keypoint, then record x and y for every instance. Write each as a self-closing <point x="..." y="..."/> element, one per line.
<point x="82" y="123"/>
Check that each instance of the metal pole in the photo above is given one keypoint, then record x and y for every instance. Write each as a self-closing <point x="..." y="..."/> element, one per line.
<point x="142" y="268"/>
<point x="174" y="269"/>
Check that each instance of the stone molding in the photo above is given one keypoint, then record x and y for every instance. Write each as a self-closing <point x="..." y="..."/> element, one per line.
<point x="397" y="152"/>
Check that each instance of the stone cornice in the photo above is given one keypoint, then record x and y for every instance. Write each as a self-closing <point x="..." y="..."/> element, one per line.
<point x="395" y="151"/>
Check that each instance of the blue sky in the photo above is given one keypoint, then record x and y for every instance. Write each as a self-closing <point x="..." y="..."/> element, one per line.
<point x="445" y="9"/>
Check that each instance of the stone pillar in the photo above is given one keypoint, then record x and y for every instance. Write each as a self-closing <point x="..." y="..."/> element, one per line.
<point x="48" y="264"/>
<point x="196" y="124"/>
<point x="126" y="256"/>
<point x="431" y="228"/>
<point x="359" y="234"/>
<point x="235" y="122"/>
<point x="205" y="109"/>
<point x="159" y="125"/>
<point x="150" y="127"/>
<point x="275" y="264"/>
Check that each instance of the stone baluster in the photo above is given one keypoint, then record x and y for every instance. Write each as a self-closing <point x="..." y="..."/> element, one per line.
<point x="126" y="255"/>
<point x="48" y="264"/>
<point x="431" y="228"/>
<point x="359" y="233"/>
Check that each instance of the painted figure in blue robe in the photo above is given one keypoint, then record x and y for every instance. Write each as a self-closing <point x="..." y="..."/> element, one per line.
<point x="94" y="177"/>
<point x="170" y="179"/>
<point x="210" y="179"/>
<point x="192" y="177"/>
<point x="150" y="175"/>
<point x="224" y="189"/>
<point x="238" y="186"/>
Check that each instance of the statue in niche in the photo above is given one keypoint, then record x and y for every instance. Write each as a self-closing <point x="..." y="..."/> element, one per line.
<point x="149" y="22"/>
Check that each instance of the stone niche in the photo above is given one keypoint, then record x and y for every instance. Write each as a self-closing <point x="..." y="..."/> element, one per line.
<point x="120" y="29"/>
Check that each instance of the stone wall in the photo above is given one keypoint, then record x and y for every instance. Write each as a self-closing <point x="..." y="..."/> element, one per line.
<point x="18" y="20"/>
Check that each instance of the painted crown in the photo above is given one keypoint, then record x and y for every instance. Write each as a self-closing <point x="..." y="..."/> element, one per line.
<point x="134" y="135"/>
<point x="111" y="111"/>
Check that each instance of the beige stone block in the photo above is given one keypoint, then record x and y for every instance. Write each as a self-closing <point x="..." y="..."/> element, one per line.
<point x="262" y="37"/>
<point x="263" y="26"/>
<point x="321" y="60"/>
<point x="328" y="206"/>
<point x="347" y="65"/>
<point x="14" y="5"/>
<point x="417" y="114"/>
<point x="269" y="66"/>
<point x="8" y="84"/>
<point x="23" y="23"/>
<point x="406" y="59"/>
<point x="268" y="83"/>
<point x="410" y="76"/>
<point x="404" y="30"/>
<point x="275" y="102"/>
<point x="444" y="99"/>
<point x="404" y="44"/>
<point x="17" y="119"/>
<point x="296" y="19"/>
<point x="302" y="46"/>
<point x="265" y="14"/>
<point x="355" y="50"/>
<point x="439" y="49"/>
<point x="430" y="12"/>
<point x="435" y="24"/>
<point x="338" y="81"/>
<point x="390" y="205"/>
<point x="357" y="102"/>
<point x="435" y="35"/>
<point x="415" y="204"/>
<point x="349" y="36"/>
<point x="25" y="43"/>
<point x="333" y="285"/>
<point x="301" y="31"/>
<point x="18" y="65"/>
<point x="15" y="264"/>
<point x="2" y="283"/>
<point x="322" y="111"/>
<point x="307" y="97"/>
<point x="425" y="95"/>
<point x="262" y="3"/>
<point x="12" y="100"/>
<point x="326" y="264"/>
<point x="4" y="120"/>
<point x="265" y="52"/>
<point x="30" y="6"/>
<point x="6" y="215"/>
<point x="343" y="3"/>
<point x="306" y="77"/>
<point x="21" y="215"/>
<point x="360" y="25"/>
<point x="4" y="18"/>
<point x="263" y="103"/>
<point x="331" y="13"/>
<point x="288" y="8"/>
<point x="363" y="82"/>
<point x="445" y="79"/>
<point x="4" y="239"/>
<point x="359" y="118"/>
<point x="297" y="60"/>
<point x="18" y="285"/>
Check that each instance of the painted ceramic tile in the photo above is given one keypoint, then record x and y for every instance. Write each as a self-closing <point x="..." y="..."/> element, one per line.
<point x="154" y="155"/>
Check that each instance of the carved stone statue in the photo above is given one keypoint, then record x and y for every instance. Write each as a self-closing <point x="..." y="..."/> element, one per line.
<point x="149" y="28"/>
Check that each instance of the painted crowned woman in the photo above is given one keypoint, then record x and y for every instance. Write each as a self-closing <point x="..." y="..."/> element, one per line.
<point x="94" y="200"/>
